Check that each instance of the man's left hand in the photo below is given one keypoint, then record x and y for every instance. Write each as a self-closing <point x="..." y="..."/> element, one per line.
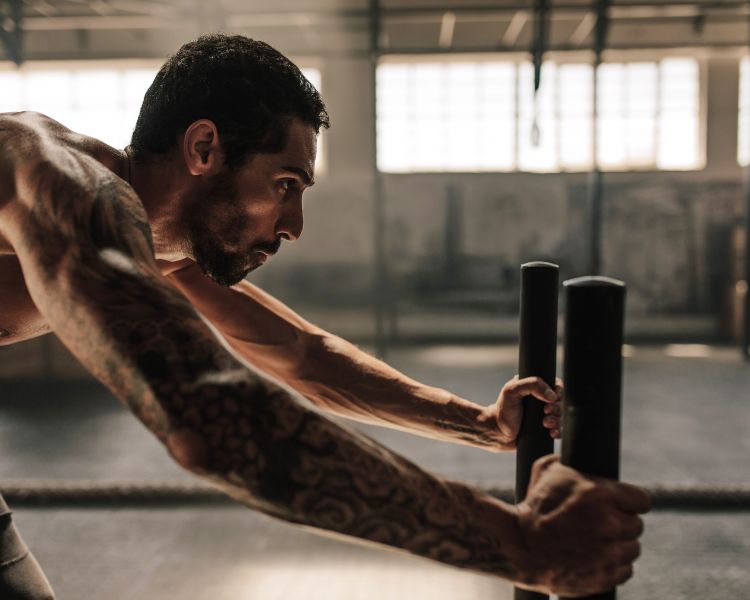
<point x="507" y="412"/>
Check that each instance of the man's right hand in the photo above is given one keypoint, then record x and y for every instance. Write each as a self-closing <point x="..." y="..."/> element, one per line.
<point x="580" y="532"/>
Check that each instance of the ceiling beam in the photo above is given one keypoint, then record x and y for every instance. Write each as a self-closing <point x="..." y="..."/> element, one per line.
<point x="157" y="9"/>
<point x="447" y="28"/>
<point x="515" y="27"/>
<point x="583" y="30"/>
<point x="110" y="22"/>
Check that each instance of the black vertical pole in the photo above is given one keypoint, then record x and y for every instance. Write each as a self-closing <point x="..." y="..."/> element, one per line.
<point x="380" y="281"/>
<point x="537" y="356"/>
<point x="595" y="195"/>
<point x="453" y="236"/>
<point x="594" y="319"/>
<point x="745" y="334"/>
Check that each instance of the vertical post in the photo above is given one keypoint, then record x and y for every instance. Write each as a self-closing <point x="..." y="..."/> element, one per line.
<point x="595" y="180"/>
<point x="745" y="335"/>
<point x="537" y="356"/>
<point x="380" y="295"/>
<point x="11" y="32"/>
<point x="453" y="237"/>
<point x="594" y="318"/>
<point x="595" y="177"/>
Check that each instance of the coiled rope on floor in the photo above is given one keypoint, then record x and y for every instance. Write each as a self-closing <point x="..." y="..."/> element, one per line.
<point x="64" y="494"/>
<point x="108" y="494"/>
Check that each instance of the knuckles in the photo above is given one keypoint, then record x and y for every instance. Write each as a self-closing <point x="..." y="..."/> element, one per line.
<point x="580" y="542"/>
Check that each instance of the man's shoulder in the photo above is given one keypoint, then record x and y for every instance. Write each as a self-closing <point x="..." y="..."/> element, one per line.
<point x="19" y="134"/>
<point x="44" y="166"/>
<point x="27" y="127"/>
<point x="34" y="136"/>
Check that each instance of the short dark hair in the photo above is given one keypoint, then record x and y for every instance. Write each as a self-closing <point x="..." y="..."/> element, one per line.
<point x="247" y="88"/>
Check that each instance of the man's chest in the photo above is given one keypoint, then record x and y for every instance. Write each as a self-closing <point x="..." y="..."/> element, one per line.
<point x="19" y="317"/>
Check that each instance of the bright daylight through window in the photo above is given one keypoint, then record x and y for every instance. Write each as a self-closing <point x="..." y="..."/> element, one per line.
<point x="743" y="132"/>
<point x="479" y="116"/>
<point x="100" y="99"/>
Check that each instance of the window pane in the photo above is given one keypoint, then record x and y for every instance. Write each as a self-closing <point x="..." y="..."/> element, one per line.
<point x="611" y="97"/>
<point x="452" y="116"/>
<point x="101" y="102"/>
<point x="96" y="89"/>
<point x="679" y="116"/>
<point x="575" y="113"/>
<point x="10" y="91"/>
<point x="497" y="114"/>
<point x="49" y="92"/>
<point x="743" y="135"/>
<point x="641" y="80"/>
<point x="484" y="116"/>
<point x="134" y="85"/>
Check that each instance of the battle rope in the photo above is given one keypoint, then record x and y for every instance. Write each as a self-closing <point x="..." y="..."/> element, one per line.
<point x="36" y="493"/>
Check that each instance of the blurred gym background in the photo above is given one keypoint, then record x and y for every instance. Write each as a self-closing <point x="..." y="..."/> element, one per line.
<point x="468" y="137"/>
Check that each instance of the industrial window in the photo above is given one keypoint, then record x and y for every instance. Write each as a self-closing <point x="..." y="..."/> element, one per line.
<point x="98" y="98"/>
<point x="743" y="133"/>
<point x="482" y="116"/>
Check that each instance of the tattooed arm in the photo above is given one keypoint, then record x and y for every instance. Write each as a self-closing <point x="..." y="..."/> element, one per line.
<point x="339" y="377"/>
<point x="83" y="243"/>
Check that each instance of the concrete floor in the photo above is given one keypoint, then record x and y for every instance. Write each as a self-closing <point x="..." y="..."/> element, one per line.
<point x="686" y="420"/>
<point x="234" y="554"/>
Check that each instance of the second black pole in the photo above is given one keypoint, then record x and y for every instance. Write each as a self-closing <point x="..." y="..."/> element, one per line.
<point x="594" y="319"/>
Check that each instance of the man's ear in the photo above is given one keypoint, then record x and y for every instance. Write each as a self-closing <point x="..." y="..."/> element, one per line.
<point x="200" y="148"/>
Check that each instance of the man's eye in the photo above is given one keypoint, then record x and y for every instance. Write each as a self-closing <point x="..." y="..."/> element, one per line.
<point x="287" y="183"/>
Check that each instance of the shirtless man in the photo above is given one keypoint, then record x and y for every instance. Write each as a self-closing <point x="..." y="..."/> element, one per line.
<point x="120" y="252"/>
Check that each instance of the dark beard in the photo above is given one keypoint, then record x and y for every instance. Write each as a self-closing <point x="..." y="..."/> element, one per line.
<point x="223" y="267"/>
<point x="218" y="266"/>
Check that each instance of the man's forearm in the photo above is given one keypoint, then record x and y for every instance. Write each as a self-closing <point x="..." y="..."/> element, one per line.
<point x="334" y="374"/>
<point x="341" y="378"/>
<point x="291" y="462"/>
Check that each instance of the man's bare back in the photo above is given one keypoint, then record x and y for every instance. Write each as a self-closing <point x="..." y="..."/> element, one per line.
<point x="121" y="253"/>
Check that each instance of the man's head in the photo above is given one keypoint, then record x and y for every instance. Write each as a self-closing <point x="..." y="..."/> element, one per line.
<point x="244" y="120"/>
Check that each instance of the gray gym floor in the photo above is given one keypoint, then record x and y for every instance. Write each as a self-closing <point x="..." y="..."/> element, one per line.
<point x="686" y="420"/>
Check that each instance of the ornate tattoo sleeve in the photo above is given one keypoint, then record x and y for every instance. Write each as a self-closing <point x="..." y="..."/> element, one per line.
<point x="84" y="244"/>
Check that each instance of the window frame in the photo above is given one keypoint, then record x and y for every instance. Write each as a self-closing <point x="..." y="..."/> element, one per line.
<point x="743" y="112"/>
<point x="125" y="64"/>
<point x="563" y="58"/>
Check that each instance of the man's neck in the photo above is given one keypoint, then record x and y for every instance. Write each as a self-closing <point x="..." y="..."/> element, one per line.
<point x="160" y="186"/>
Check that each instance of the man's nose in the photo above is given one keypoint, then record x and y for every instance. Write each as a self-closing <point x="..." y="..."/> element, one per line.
<point x="290" y="224"/>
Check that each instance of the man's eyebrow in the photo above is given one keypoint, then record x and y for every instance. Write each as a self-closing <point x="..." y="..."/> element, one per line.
<point x="303" y="175"/>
